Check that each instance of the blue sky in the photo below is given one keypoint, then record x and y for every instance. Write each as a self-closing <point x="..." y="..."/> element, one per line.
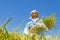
<point x="20" y="9"/>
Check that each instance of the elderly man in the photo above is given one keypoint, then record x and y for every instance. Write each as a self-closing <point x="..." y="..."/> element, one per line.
<point x="34" y="21"/>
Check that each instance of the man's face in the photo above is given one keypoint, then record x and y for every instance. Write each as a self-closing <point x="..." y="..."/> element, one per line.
<point x="34" y="15"/>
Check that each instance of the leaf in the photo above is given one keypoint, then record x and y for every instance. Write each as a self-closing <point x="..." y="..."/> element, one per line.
<point x="6" y="22"/>
<point x="4" y="25"/>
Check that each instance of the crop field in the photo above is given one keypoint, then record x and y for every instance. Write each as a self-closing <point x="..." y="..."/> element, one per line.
<point x="5" y="35"/>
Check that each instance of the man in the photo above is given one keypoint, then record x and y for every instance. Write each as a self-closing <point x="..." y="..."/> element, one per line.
<point x="34" y="21"/>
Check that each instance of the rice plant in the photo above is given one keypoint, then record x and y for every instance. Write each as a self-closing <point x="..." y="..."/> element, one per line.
<point x="5" y="35"/>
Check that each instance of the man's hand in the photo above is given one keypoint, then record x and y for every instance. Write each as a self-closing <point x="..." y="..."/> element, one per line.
<point x="42" y="25"/>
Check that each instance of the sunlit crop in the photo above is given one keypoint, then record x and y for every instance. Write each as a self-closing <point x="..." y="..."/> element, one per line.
<point x="5" y="35"/>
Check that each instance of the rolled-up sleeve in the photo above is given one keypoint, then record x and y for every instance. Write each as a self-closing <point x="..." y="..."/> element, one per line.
<point x="42" y="25"/>
<point x="45" y="27"/>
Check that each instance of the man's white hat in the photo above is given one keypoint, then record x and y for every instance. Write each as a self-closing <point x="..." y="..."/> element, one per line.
<point x="32" y="12"/>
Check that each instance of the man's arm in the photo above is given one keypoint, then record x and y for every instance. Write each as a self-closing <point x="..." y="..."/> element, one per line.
<point x="27" y="28"/>
<point x="42" y="25"/>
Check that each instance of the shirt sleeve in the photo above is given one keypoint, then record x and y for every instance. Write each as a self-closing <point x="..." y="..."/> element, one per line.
<point x="28" y="25"/>
<point x="27" y="28"/>
<point x="42" y="25"/>
<point x="45" y="27"/>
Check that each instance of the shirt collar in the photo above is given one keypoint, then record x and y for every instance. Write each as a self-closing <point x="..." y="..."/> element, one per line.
<point x="35" y="20"/>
